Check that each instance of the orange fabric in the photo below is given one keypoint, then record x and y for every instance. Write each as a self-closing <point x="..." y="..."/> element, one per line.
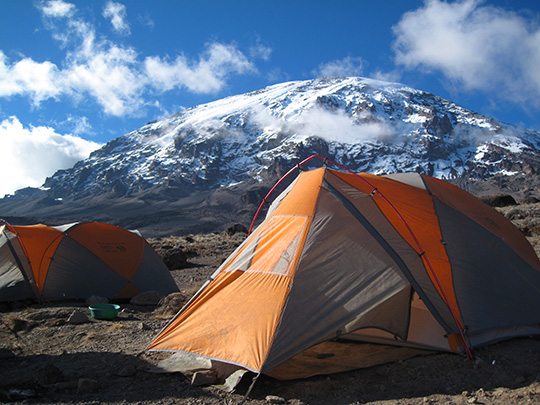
<point x="236" y="317"/>
<point x="416" y="208"/>
<point x="236" y="323"/>
<point x="118" y="248"/>
<point x="483" y="215"/>
<point x="128" y="291"/>
<point x="282" y="231"/>
<point x="302" y="199"/>
<point x="39" y="243"/>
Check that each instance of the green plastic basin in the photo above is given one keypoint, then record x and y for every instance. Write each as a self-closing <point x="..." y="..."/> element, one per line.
<point x="104" y="311"/>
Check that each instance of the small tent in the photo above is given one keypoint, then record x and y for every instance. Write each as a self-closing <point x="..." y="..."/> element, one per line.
<point x="350" y="270"/>
<point x="76" y="261"/>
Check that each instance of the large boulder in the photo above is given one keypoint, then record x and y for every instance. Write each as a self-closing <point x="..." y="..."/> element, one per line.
<point x="170" y="305"/>
<point x="173" y="257"/>
<point x="146" y="298"/>
<point x="502" y="200"/>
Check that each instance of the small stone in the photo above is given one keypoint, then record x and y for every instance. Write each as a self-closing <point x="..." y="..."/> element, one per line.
<point x="96" y="299"/>
<point x="86" y="385"/>
<point x="472" y="400"/>
<point x="274" y="399"/>
<point x="499" y="391"/>
<point x="146" y="298"/>
<point x="127" y="371"/>
<point x="20" y="394"/>
<point x="143" y="326"/>
<point x="77" y="317"/>
<point x="204" y="377"/>
<point x="18" y="325"/>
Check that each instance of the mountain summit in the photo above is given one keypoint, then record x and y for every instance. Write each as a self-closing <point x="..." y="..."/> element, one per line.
<point x="207" y="165"/>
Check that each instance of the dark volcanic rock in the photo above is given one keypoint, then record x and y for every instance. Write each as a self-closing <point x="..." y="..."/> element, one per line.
<point x="174" y="258"/>
<point x="503" y="200"/>
<point x="236" y="228"/>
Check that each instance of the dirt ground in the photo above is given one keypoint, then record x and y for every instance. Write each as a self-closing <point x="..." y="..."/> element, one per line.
<point x="46" y="359"/>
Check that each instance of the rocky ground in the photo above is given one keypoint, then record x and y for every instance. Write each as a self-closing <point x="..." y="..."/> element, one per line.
<point x="46" y="356"/>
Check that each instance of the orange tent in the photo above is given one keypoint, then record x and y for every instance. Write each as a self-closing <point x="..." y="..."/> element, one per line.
<point x="351" y="270"/>
<point x="76" y="261"/>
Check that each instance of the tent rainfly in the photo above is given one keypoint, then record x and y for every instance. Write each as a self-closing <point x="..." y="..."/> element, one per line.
<point x="351" y="270"/>
<point x="76" y="261"/>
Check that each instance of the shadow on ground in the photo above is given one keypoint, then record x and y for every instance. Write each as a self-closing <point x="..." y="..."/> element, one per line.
<point x="117" y="377"/>
<point x="497" y="368"/>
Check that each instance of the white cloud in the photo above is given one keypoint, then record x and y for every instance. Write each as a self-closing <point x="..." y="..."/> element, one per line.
<point x="111" y="74"/>
<point x="57" y="9"/>
<point x="23" y="149"/>
<point x="476" y="46"/>
<point x="339" y="127"/>
<point x="146" y="21"/>
<point x="349" y="66"/>
<point x="116" y="12"/>
<point x="79" y="125"/>
<point x="207" y="75"/>
<point x="37" y="80"/>
<point x="334" y="126"/>
<point x="389" y="76"/>
<point x="260" y="51"/>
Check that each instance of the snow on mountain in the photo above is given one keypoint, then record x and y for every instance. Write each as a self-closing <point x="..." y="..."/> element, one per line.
<point x="368" y="125"/>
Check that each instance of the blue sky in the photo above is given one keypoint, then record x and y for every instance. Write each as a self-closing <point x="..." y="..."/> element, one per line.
<point x="75" y="74"/>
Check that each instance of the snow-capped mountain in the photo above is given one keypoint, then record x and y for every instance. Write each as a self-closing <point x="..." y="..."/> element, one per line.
<point x="251" y="139"/>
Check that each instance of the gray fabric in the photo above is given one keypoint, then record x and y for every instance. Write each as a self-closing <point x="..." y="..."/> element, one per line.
<point x="76" y="273"/>
<point x="494" y="287"/>
<point x="13" y="284"/>
<point x="65" y="227"/>
<point x="495" y="335"/>
<point x="411" y="179"/>
<point x="412" y="265"/>
<point x="153" y="274"/>
<point x="393" y="311"/>
<point x="342" y="274"/>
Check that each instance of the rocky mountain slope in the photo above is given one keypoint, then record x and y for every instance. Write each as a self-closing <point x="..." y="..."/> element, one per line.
<point x="207" y="166"/>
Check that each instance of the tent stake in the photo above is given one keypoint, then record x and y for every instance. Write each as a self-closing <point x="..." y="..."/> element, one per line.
<point x="250" y="387"/>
